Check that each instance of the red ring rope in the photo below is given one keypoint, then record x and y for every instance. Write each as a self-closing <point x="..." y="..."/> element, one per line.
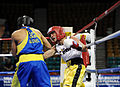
<point x="5" y="38"/>
<point x="10" y="38"/>
<point x="99" y="17"/>
<point x="91" y="23"/>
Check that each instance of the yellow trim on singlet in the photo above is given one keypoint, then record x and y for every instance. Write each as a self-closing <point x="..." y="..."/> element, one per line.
<point x="30" y="57"/>
<point x="22" y="44"/>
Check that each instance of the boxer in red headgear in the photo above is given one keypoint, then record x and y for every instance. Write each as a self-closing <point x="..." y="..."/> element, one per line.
<point x="70" y="48"/>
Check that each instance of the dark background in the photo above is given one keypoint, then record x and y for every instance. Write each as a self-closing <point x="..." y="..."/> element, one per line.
<point x="47" y="13"/>
<point x="67" y="13"/>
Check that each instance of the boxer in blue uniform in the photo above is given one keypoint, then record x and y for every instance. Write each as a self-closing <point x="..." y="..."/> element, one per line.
<point x="27" y="45"/>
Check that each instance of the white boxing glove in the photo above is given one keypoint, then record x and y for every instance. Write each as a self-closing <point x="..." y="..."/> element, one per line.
<point x="59" y="49"/>
<point x="71" y="43"/>
<point x="68" y="43"/>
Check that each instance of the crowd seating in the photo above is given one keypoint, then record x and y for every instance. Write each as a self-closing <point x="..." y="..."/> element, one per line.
<point x="113" y="53"/>
<point x="53" y="63"/>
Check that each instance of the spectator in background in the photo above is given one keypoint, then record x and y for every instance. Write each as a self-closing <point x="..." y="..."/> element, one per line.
<point x="4" y="33"/>
<point x="7" y="64"/>
<point x="4" y="45"/>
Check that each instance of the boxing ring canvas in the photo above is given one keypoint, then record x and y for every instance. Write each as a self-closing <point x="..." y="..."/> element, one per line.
<point x="104" y="80"/>
<point x="6" y="79"/>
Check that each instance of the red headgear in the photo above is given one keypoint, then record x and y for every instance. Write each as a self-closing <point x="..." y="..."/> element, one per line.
<point x="58" y="30"/>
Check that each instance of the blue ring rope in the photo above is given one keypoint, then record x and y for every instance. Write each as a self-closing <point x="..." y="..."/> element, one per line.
<point x="109" y="70"/>
<point x="12" y="72"/>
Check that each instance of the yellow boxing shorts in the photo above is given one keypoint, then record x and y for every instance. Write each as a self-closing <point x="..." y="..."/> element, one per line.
<point x="73" y="76"/>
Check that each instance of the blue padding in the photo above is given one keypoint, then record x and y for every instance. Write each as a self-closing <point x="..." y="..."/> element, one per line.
<point x="91" y="71"/>
<point x="12" y="72"/>
<point x="109" y="70"/>
<point x="54" y="70"/>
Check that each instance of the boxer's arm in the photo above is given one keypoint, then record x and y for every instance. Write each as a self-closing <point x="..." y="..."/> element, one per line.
<point x="49" y="53"/>
<point x="13" y="46"/>
<point x="45" y="41"/>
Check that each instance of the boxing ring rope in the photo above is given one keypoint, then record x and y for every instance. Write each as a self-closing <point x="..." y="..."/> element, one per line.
<point x="10" y="38"/>
<point x="5" y="39"/>
<point x="99" y="17"/>
<point x="116" y="34"/>
<point x="97" y="71"/>
<point x="12" y="72"/>
<point x="108" y="70"/>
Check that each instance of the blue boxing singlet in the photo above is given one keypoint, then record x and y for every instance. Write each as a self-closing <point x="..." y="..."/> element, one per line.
<point x="32" y="44"/>
<point x="31" y="67"/>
